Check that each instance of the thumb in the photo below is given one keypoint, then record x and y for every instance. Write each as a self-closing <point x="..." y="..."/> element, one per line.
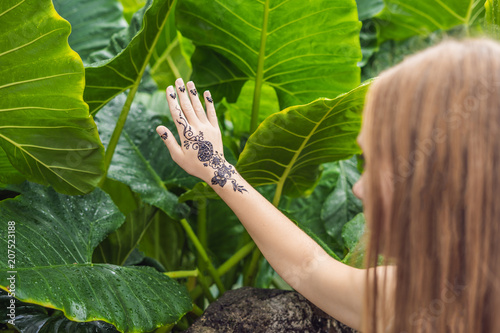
<point x="169" y="140"/>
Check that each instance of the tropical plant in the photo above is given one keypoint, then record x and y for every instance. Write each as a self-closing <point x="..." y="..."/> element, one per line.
<point x="100" y="229"/>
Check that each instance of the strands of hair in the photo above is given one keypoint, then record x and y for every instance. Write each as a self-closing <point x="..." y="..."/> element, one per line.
<point x="433" y="124"/>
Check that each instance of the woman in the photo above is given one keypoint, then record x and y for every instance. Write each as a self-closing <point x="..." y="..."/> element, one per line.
<point x="431" y="189"/>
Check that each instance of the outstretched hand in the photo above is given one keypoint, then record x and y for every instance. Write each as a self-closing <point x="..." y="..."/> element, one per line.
<point x="201" y="153"/>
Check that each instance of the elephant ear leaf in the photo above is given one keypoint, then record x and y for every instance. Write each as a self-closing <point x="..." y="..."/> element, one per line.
<point x="46" y="131"/>
<point x="303" y="49"/>
<point x="56" y="236"/>
<point x="289" y="146"/>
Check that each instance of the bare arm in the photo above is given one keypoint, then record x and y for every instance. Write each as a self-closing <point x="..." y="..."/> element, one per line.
<point x="334" y="287"/>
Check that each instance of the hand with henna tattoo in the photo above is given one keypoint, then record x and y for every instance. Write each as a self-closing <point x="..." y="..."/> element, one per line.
<point x="298" y="259"/>
<point x="201" y="154"/>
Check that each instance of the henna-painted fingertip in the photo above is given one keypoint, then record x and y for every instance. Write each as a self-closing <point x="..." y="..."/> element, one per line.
<point x="180" y="85"/>
<point x="162" y="132"/>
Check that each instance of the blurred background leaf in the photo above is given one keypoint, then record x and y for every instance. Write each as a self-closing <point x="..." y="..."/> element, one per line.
<point x="93" y="22"/>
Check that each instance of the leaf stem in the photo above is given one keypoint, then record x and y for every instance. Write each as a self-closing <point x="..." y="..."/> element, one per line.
<point x="182" y="274"/>
<point x="277" y="194"/>
<point x="254" y="122"/>
<point x="227" y="265"/>
<point x="197" y="310"/>
<point x="113" y="141"/>
<point x="205" y="287"/>
<point x="236" y="258"/>
<point x="203" y="254"/>
<point x="253" y="267"/>
<point x="202" y="221"/>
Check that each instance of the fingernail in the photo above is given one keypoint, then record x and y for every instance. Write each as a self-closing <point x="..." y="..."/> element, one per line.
<point x="210" y="99"/>
<point x="180" y="84"/>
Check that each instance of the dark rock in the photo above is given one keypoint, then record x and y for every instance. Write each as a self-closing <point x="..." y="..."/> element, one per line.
<point x="265" y="310"/>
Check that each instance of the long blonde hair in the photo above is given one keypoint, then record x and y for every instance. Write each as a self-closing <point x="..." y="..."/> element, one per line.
<point x="432" y="145"/>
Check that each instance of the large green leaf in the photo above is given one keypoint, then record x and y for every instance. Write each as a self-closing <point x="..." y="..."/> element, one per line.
<point x="93" y="22"/>
<point x="140" y="159"/>
<point x="289" y="146"/>
<point x="303" y="49"/>
<point x="123" y="63"/>
<point x="46" y="130"/>
<point x="55" y="237"/>
<point x="402" y="19"/>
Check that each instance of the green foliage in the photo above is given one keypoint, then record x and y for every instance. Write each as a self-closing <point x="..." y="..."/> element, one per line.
<point x="341" y="205"/>
<point x="8" y="174"/>
<point x="170" y="58"/>
<point x="285" y="76"/>
<point x="130" y="7"/>
<point x="353" y="236"/>
<point x="119" y="68"/>
<point x="138" y="160"/>
<point x="294" y="46"/>
<point x="289" y="146"/>
<point x="493" y="17"/>
<point x="400" y="20"/>
<point x="37" y="319"/>
<point x="46" y="132"/>
<point x="101" y="19"/>
<point x="58" y="235"/>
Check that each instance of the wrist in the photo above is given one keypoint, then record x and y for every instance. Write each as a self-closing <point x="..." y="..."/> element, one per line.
<point x="223" y="175"/>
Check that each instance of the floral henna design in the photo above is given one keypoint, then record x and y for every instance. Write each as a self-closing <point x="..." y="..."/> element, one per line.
<point x="208" y="156"/>
<point x="194" y="92"/>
